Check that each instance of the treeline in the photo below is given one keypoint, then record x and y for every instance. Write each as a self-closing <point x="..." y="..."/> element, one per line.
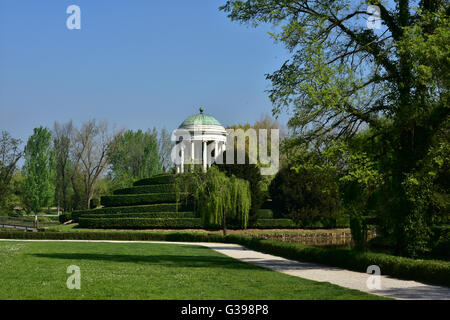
<point x="69" y="167"/>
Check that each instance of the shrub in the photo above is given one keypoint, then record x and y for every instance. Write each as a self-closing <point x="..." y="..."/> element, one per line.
<point x="65" y="217"/>
<point x="140" y="223"/>
<point x="440" y="242"/>
<point x="94" y="203"/>
<point x="139" y="199"/>
<point x="169" y="215"/>
<point x="309" y="195"/>
<point x="273" y="223"/>
<point x="160" y="207"/>
<point x="264" y="214"/>
<point x="163" y="178"/>
<point x="156" y="188"/>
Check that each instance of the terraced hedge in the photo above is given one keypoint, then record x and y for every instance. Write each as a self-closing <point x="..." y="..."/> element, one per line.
<point x="160" y="207"/>
<point x="186" y="214"/>
<point x="140" y="223"/>
<point x="155" y="188"/>
<point x="158" y="179"/>
<point x="139" y="199"/>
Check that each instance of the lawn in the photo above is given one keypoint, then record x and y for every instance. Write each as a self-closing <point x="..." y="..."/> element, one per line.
<point x="37" y="270"/>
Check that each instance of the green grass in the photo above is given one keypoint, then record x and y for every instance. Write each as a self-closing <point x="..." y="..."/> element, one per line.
<point x="37" y="270"/>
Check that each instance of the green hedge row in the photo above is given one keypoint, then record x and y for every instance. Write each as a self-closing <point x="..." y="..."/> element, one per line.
<point x="65" y="217"/>
<point x="429" y="271"/>
<point x="139" y="199"/>
<point x="160" y="207"/>
<point x="185" y="214"/>
<point x="264" y="214"/>
<point x="140" y="223"/>
<point x="158" y="179"/>
<point x="155" y="188"/>
<point x="272" y="223"/>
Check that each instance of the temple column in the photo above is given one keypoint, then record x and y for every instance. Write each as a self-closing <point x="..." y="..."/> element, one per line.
<point x="216" y="150"/>
<point x="192" y="156"/>
<point x="204" y="156"/>
<point x="182" y="160"/>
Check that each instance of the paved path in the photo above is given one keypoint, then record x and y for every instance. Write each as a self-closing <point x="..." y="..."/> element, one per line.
<point x="390" y="287"/>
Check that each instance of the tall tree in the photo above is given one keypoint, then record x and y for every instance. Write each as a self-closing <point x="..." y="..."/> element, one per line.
<point x="62" y="139"/>
<point x="10" y="154"/>
<point x="134" y="155"/>
<point x="39" y="169"/>
<point x="89" y="155"/>
<point x="344" y="76"/>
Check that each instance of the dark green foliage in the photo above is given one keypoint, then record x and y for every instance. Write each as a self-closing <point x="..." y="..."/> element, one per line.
<point x="160" y="207"/>
<point x="308" y="195"/>
<point x="95" y="202"/>
<point x="139" y="199"/>
<point x="219" y="200"/>
<point x="170" y="215"/>
<point x="272" y="223"/>
<point x="249" y="172"/>
<point x="164" y="178"/>
<point x="429" y="271"/>
<point x="440" y="242"/>
<point x="264" y="214"/>
<point x="39" y="169"/>
<point x="156" y="188"/>
<point x="140" y="223"/>
<point x="64" y="217"/>
<point x="359" y="231"/>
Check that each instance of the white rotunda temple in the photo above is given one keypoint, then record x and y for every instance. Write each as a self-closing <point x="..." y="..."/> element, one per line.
<point x="201" y="140"/>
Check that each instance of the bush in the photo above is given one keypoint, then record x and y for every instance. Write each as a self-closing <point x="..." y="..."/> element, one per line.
<point x="163" y="178"/>
<point x="140" y="223"/>
<point x="309" y="195"/>
<point x="430" y="271"/>
<point x="169" y="215"/>
<point x="273" y="223"/>
<point x="160" y="207"/>
<point x="65" y="217"/>
<point x="264" y="214"/>
<point x="440" y="243"/>
<point x="94" y="203"/>
<point x="139" y="199"/>
<point x="156" y="188"/>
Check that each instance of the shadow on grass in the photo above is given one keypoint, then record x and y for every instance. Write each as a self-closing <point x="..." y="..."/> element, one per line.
<point x="179" y="261"/>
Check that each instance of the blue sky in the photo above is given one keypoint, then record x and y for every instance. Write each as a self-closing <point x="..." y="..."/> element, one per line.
<point x="136" y="63"/>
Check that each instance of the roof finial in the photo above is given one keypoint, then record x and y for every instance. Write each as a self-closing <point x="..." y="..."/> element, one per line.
<point x="201" y="109"/>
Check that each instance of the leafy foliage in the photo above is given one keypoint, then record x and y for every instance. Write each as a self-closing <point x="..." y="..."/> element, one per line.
<point x="343" y="77"/>
<point x="39" y="169"/>
<point x="219" y="199"/>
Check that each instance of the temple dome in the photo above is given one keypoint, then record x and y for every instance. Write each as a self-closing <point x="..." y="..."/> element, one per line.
<point x="200" y="119"/>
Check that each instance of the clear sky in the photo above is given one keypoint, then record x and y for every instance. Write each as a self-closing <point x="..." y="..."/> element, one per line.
<point x="135" y="63"/>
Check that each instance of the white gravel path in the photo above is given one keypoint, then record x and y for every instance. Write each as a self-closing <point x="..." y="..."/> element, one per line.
<point x="390" y="287"/>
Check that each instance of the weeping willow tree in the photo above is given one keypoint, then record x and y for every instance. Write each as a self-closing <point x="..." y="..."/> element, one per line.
<point x="218" y="199"/>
